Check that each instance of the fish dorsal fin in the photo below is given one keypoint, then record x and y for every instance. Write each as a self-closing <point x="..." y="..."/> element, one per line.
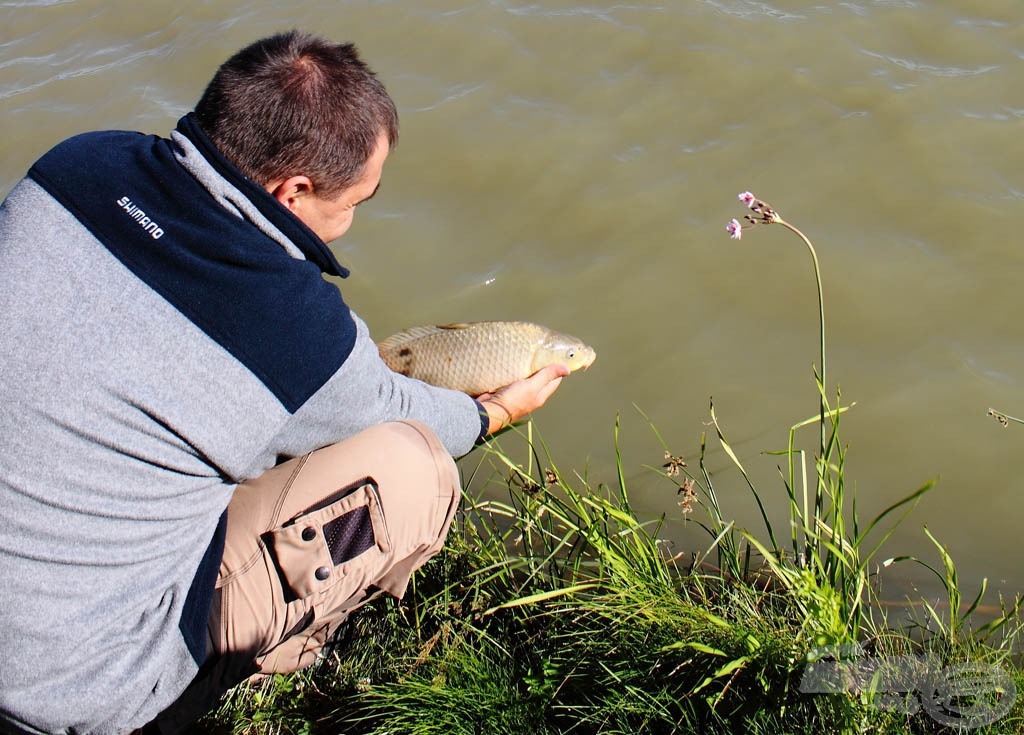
<point x="395" y="341"/>
<point x="398" y="339"/>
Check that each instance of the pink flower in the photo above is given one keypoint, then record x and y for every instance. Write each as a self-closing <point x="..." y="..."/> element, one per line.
<point x="748" y="199"/>
<point x="735" y="229"/>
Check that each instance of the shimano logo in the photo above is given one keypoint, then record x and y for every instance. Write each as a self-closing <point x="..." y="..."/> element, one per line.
<point x="154" y="230"/>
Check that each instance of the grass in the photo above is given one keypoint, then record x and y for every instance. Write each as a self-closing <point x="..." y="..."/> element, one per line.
<point x="559" y="609"/>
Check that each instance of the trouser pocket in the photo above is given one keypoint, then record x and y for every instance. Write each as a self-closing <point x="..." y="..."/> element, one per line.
<point x="332" y="542"/>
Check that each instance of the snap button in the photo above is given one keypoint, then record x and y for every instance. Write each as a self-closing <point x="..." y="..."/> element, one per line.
<point x="322" y="573"/>
<point x="308" y="533"/>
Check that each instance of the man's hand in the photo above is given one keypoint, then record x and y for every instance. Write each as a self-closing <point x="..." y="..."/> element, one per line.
<point x="507" y="405"/>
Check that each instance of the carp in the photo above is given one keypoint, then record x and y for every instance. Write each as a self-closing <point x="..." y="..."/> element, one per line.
<point x="480" y="357"/>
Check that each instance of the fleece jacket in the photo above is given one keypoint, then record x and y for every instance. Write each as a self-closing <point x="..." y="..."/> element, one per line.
<point x="166" y="332"/>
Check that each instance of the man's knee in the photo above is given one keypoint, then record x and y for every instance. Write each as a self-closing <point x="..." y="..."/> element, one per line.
<point x="420" y="492"/>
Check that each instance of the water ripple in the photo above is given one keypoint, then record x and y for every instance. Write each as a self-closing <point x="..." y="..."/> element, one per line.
<point x="931" y="69"/>
<point x="861" y="10"/>
<point x="749" y="8"/>
<point x="980" y="23"/>
<point x="34" y="3"/>
<point x="452" y="94"/>
<point x="606" y="15"/>
<point x="995" y="116"/>
<point x="72" y="72"/>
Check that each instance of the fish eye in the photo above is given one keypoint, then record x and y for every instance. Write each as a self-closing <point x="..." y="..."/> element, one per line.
<point x="571" y="354"/>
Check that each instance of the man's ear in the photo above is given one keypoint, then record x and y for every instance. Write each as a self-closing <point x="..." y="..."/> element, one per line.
<point x="291" y="191"/>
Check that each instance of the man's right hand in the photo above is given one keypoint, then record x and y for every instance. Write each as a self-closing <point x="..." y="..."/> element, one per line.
<point x="507" y="405"/>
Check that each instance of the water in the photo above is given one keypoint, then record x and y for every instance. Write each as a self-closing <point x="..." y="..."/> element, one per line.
<point x="575" y="164"/>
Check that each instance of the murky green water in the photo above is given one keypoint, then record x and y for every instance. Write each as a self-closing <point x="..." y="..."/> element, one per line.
<point x="575" y="164"/>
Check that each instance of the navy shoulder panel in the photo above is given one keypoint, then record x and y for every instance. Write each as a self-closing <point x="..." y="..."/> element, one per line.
<point x="274" y="313"/>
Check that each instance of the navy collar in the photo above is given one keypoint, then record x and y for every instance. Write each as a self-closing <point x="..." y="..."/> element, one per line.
<point x="293" y="228"/>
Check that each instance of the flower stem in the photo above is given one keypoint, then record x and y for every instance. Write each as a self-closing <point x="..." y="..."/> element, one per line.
<point x="1004" y="418"/>
<point x="821" y="322"/>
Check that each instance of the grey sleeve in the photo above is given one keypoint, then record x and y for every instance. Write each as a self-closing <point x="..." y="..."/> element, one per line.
<point x="364" y="392"/>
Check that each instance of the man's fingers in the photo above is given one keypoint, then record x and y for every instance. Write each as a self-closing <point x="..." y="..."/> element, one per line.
<point x="550" y="372"/>
<point x="548" y="389"/>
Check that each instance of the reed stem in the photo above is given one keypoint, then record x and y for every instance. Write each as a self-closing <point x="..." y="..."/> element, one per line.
<point x="822" y="405"/>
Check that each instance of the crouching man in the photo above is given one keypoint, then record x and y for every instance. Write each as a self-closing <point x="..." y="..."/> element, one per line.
<point x="204" y="464"/>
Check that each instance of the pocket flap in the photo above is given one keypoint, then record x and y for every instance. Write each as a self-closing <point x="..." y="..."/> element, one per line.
<point x="313" y="549"/>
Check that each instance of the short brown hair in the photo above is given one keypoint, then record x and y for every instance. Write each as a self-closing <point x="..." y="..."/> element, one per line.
<point x="297" y="104"/>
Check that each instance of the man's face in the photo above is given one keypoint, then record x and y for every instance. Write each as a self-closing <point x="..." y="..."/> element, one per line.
<point x="331" y="218"/>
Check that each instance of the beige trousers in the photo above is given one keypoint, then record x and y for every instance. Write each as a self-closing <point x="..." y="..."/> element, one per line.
<point x="312" y="539"/>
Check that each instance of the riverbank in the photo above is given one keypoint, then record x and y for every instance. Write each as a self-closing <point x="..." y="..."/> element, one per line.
<point x="559" y="610"/>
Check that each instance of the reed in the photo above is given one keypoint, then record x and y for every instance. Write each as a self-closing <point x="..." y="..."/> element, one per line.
<point x="831" y="548"/>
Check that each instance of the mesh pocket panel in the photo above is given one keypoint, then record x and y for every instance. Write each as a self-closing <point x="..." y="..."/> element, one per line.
<point x="349" y="535"/>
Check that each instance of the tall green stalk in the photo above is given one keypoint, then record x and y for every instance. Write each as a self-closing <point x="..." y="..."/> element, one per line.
<point x="764" y="213"/>
<point x="831" y="564"/>
<point x="821" y="320"/>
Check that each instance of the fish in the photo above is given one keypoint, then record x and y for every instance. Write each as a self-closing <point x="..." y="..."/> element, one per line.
<point x="480" y="357"/>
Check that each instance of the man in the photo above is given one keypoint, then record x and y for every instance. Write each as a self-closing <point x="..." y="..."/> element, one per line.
<point x="204" y="465"/>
